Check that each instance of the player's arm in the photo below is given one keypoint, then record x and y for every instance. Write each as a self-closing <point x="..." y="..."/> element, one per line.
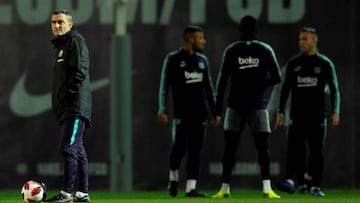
<point x="79" y="65"/>
<point x="209" y="88"/>
<point x="284" y="94"/>
<point x="334" y="96"/>
<point x="274" y="70"/>
<point x="274" y="100"/>
<point x="221" y="83"/>
<point x="163" y="91"/>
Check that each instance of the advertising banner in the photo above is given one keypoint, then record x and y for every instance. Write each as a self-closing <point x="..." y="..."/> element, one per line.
<point x="29" y="136"/>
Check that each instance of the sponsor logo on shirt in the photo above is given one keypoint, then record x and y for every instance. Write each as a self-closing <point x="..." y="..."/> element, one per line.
<point x="248" y="62"/>
<point x="201" y="65"/>
<point x="306" y="81"/>
<point x="182" y="64"/>
<point x="317" y="69"/>
<point x="193" y="77"/>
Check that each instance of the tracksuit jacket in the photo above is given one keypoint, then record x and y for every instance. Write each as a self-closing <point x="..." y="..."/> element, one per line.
<point x="71" y="95"/>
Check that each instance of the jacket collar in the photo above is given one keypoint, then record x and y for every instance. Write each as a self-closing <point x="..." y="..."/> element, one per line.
<point x="58" y="41"/>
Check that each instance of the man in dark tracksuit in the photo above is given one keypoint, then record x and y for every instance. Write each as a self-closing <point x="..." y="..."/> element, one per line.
<point x="186" y="72"/>
<point x="308" y="75"/>
<point x="72" y="104"/>
<point x="252" y="67"/>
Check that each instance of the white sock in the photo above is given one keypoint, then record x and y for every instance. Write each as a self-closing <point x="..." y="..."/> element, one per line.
<point x="225" y="187"/>
<point x="190" y="185"/>
<point x="307" y="177"/>
<point x="80" y="194"/>
<point x="65" y="193"/>
<point x="291" y="181"/>
<point x="313" y="188"/>
<point x="266" y="185"/>
<point x="174" y="175"/>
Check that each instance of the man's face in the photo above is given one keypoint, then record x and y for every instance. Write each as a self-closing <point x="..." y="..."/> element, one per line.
<point x="307" y="42"/>
<point x="60" y="25"/>
<point x="199" y="41"/>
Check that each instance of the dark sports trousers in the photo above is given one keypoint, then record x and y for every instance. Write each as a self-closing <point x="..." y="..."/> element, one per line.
<point x="231" y="143"/>
<point x="188" y="137"/>
<point x="74" y="154"/>
<point x="301" y="133"/>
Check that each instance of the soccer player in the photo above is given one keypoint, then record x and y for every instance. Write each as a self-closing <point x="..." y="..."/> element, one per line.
<point x="308" y="75"/>
<point x="186" y="72"/>
<point x="252" y="66"/>
<point x="72" y="105"/>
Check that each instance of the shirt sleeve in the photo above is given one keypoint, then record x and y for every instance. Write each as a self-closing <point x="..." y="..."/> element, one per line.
<point x="209" y="88"/>
<point x="274" y="70"/>
<point x="221" y="83"/>
<point x="286" y="88"/>
<point x="334" y="89"/>
<point x="78" y="63"/>
<point x="164" y="86"/>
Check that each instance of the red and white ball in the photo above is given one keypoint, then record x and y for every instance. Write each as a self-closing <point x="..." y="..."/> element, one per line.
<point x="33" y="191"/>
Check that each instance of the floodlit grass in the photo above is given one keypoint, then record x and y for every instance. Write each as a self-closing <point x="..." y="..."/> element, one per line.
<point x="333" y="196"/>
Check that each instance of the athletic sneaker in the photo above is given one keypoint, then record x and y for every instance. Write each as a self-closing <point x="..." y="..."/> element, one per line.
<point x="173" y="188"/>
<point x="221" y="194"/>
<point x="61" y="197"/>
<point x="317" y="193"/>
<point x="84" y="198"/>
<point x="194" y="193"/>
<point x="286" y="187"/>
<point x="270" y="194"/>
<point x="304" y="189"/>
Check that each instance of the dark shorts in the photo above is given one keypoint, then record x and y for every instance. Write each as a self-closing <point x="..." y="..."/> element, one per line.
<point x="258" y="120"/>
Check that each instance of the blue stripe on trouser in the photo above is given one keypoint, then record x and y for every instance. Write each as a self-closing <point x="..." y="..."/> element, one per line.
<point x="75" y="130"/>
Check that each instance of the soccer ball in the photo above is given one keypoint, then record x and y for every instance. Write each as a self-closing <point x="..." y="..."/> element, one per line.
<point x="33" y="191"/>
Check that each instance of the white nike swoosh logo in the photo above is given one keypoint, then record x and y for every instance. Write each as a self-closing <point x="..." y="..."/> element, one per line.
<point x="24" y="104"/>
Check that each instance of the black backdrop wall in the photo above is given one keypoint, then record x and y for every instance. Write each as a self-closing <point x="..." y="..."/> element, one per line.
<point x="29" y="136"/>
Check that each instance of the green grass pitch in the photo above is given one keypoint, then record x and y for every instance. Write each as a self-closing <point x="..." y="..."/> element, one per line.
<point x="332" y="196"/>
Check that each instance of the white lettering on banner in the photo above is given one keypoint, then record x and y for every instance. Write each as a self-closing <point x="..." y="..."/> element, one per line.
<point x="5" y="14"/>
<point x="49" y="169"/>
<point x="167" y="9"/>
<point x="148" y="11"/>
<point x="277" y="13"/>
<point x="32" y="12"/>
<point x="35" y="12"/>
<point x="294" y="13"/>
<point x="237" y="9"/>
<point x="56" y="169"/>
<point x="197" y="11"/>
<point x="244" y="168"/>
<point x="22" y="168"/>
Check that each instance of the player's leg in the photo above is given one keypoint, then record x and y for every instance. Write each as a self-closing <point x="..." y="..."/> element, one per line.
<point x="231" y="143"/>
<point x="180" y="132"/>
<point x="195" y="142"/>
<point x="233" y="125"/>
<point x="316" y="162"/>
<point x="70" y="142"/>
<point x="296" y="155"/>
<point x="288" y="185"/>
<point x="261" y="143"/>
<point x="299" y="133"/>
<point x="260" y="127"/>
<point x="82" y="195"/>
